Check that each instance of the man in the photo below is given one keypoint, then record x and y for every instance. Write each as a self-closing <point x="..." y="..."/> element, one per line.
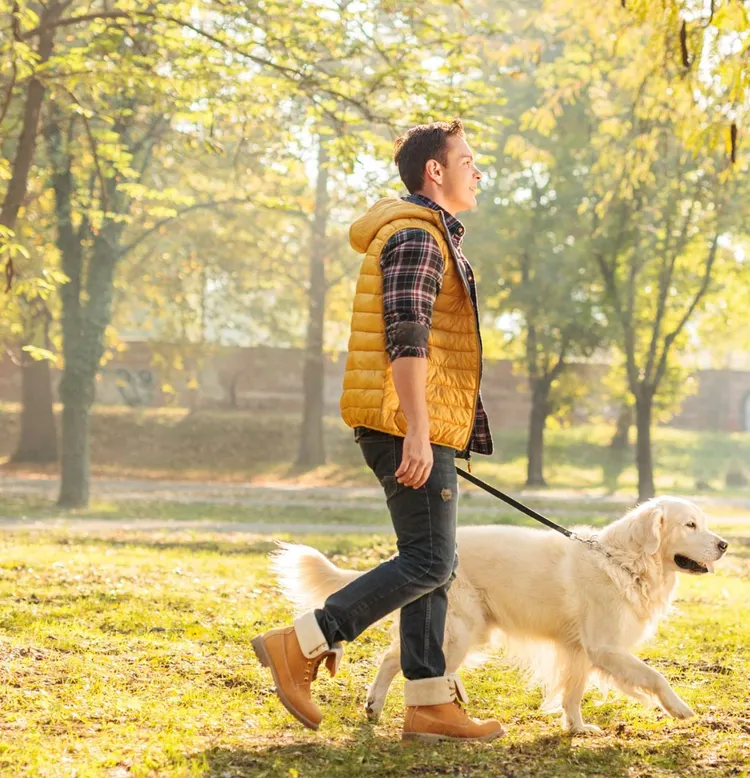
<point x="411" y="393"/>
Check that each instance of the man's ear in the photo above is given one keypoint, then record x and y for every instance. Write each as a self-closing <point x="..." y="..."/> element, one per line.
<point x="650" y="527"/>
<point x="433" y="171"/>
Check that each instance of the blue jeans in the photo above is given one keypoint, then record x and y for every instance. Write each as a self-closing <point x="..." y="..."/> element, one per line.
<point x="417" y="579"/>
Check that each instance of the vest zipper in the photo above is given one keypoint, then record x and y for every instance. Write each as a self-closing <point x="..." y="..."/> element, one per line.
<point x="480" y="348"/>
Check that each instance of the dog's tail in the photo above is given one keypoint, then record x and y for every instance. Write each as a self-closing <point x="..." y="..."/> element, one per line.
<point x="305" y="576"/>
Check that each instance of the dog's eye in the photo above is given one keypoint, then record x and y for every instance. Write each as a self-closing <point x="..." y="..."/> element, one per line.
<point x="692" y="525"/>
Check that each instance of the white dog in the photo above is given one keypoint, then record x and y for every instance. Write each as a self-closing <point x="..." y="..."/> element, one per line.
<point x="567" y="609"/>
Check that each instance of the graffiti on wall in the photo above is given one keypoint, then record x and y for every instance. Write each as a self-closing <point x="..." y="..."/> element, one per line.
<point x="136" y="387"/>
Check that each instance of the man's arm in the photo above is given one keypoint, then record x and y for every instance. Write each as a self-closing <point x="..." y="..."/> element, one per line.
<point x="412" y="267"/>
<point x="410" y="380"/>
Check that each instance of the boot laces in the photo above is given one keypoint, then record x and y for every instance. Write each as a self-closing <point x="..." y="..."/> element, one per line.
<point x="457" y="690"/>
<point x="332" y="659"/>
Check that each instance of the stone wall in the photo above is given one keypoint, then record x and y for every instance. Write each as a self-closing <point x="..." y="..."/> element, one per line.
<point x="722" y="402"/>
<point x="270" y="380"/>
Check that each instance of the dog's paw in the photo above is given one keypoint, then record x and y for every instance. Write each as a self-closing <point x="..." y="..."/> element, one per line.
<point x="680" y="710"/>
<point x="373" y="710"/>
<point x="582" y="729"/>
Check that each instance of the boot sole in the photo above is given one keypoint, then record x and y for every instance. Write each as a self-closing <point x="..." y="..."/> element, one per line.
<point x="259" y="647"/>
<point x="429" y="738"/>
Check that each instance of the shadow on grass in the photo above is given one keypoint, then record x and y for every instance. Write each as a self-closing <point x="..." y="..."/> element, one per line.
<point x="367" y="754"/>
<point x="332" y="545"/>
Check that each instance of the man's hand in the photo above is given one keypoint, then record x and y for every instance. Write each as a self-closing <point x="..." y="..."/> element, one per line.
<point x="416" y="462"/>
<point x="410" y="380"/>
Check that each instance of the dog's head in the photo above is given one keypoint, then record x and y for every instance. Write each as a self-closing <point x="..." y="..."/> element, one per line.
<point x="676" y="530"/>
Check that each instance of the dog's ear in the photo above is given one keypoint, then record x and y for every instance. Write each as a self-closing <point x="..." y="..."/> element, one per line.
<point x="648" y="529"/>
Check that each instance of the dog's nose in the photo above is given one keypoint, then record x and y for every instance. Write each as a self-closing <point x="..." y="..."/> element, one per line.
<point x="723" y="546"/>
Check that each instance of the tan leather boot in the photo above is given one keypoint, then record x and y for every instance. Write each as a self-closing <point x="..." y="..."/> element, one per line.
<point x="434" y="711"/>
<point x="294" y="654"/>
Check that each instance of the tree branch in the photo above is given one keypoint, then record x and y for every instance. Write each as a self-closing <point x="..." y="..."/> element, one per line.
<point x="560" y="364"/>
<point x="94" y="152"/>
<point x="71" y="20"/>
<point x="664" y="282"/>
<point x="293" y="74"/>
<point x="608" y="272"/>
<point x="669" y="339"/>
<point x="211" y="204"/>
<point x="9" y="92"/>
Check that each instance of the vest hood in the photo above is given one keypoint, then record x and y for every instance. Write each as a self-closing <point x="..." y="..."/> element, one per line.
<point x="364" y="229"/>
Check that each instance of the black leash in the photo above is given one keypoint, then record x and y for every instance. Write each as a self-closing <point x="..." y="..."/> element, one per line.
<point x="517" y="505"/>
<point x="592" y="542"/>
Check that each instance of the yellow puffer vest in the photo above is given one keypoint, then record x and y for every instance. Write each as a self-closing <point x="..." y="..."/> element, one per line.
<point x="454" y="360"/>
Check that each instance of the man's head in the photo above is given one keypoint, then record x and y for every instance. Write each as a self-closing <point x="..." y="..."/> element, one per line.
<point x="435" y="160"/>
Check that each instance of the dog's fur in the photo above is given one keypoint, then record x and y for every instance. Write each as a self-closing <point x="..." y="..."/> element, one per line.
<point x="567" y="611"/>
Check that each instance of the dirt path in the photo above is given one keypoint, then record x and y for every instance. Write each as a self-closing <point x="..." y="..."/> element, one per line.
<point x="157" y="526"/>
<point x="474" y="502"/>
<point x="130" y="489"/>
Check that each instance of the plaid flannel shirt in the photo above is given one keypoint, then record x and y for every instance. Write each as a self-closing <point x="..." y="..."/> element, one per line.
<point x="412" y="267"/>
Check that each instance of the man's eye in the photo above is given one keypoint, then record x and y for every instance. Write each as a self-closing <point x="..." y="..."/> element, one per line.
<point x="692" y="525"/>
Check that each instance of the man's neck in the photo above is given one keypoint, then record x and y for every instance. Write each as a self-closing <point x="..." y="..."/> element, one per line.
<point x="436" y="198"/>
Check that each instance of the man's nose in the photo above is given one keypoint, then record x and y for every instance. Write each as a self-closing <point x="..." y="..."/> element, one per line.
<point x="723" y="545"/>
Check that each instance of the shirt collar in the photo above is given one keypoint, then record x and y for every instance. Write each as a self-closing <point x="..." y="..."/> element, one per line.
<point x="455" y="227"/>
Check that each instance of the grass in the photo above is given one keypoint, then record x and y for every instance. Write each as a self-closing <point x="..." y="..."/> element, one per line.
<point x="129" y="655"/>
<point x="240" y="446"/>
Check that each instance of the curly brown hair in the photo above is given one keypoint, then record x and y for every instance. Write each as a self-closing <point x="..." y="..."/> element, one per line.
<point x="419" y="144"/>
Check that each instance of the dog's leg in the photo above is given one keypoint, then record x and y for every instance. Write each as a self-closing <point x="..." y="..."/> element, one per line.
<point x="575" y="673"/>
<point x="390" y="665"/>
<point x="633" y="677"/>
<point x="456" y="645"/>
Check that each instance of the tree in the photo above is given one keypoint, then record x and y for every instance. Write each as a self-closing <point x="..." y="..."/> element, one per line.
<point x="527" y="240"/>
<point x="657" y="215"/>
<point x="700" y="46"/>
<point x="311" y="448"/>
<point x="655" y="281"/>
<point x="28" y="331"/>
<point x="30" y="63"/>
<point x="531" y="251"/>
<point x="22" y="77"/>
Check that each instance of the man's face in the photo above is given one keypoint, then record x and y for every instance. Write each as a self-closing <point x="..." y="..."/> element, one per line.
<point x="459" y="177"/>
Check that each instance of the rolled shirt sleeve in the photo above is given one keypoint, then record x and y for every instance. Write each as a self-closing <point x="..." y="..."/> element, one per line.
<point x="412" y="267"/>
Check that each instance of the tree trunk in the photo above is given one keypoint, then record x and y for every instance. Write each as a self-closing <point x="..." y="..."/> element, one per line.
<point x="38" y="439"/>
<point x="24" y="155"/>
<point x="537" y="423"/>
<point x="312" y="447"/>
<point x="619" y="440"/>
<point x="643" y="407"/>
<point x="83" y="349"/>
<point x="85" y="316"/>
<point x="74" y="482"/>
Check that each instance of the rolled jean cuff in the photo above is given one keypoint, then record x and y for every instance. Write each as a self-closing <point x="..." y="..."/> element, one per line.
<point x="434" y="691"/>
<point x="311" y="639"/>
